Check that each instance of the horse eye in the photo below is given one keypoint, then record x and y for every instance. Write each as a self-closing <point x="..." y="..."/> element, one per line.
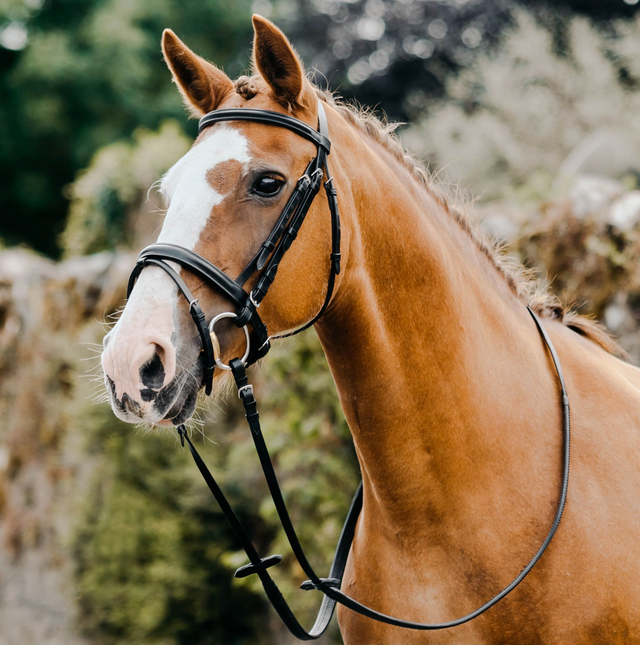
<point x="267" y="186"/>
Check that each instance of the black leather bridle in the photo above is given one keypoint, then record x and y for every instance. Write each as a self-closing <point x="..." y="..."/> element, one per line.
<point x="267" y="261"/>
<point x="270" y="254"/>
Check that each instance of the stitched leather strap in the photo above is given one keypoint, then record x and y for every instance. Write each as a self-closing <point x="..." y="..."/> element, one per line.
<point x="260" y="259"/>
<point x="198" y="265"/>
<point x="268" y="117"/>
<point x="334" y="271"/>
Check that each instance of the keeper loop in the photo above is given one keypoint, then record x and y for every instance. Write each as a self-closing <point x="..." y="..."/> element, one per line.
<point x="265" y="563"/>
<point x="308" y="585"/>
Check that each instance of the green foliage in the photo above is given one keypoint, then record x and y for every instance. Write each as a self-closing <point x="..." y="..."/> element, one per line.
<point x="115" y="184"/>
<point x="154" y="556"/>
<point x="91" y="73"/>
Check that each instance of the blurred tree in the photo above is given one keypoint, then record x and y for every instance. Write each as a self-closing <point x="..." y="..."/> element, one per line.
<point x="395" y="54"/>
<point x="399" y="54"/>
<point x="76" y="75"/>
<point x="524" y="116"/>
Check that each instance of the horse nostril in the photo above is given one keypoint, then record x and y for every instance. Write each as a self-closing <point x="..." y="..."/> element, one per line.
<point x="152" y="373"/>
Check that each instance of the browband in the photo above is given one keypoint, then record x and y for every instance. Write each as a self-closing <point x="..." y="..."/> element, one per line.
<point x="267" y="117"/>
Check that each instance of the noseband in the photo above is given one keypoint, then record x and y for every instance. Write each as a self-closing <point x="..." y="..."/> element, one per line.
<point x="268" y="258"/>
<point x="267" y="261"/>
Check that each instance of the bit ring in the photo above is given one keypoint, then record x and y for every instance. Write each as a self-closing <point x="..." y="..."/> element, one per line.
<point x="216" y="342"/>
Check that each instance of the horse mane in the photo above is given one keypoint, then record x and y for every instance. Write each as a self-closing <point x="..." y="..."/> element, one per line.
<point x="523" y="282"/>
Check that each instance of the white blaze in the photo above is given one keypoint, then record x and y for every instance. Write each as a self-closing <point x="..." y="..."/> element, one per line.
<point x="191" y="197"/>
<point x="151" y="314"/>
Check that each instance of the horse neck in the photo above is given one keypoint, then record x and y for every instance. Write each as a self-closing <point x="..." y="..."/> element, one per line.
<point x="435" y="360"/>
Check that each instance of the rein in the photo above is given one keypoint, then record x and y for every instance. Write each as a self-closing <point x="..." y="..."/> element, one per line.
<point x="258" y="344"/>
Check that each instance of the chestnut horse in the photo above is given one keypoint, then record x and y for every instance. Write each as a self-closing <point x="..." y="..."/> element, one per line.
<point x="448" y="390"/>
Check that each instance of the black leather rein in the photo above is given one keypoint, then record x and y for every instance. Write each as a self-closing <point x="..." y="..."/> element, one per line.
<point x="267" y="260"/>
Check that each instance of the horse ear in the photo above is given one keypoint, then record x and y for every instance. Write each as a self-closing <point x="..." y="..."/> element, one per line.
<point x="277" y="62"/>
<point x="202" y="85"/>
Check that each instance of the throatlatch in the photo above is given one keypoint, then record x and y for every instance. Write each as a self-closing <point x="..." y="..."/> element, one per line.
<point x="267" y="261"/>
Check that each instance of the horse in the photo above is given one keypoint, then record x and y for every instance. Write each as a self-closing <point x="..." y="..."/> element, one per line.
<point x="448" y="391"/>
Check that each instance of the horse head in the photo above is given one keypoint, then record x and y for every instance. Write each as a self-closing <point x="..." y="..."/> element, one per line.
<point x="223" y="199"/>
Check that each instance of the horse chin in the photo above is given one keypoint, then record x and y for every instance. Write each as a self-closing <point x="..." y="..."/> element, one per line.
<point x="183" y="407"/>
<point x="172" y="405"/>
<point x="176" y="402"/>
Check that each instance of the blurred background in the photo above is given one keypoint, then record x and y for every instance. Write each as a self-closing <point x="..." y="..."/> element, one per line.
<point x="107" y="533"/>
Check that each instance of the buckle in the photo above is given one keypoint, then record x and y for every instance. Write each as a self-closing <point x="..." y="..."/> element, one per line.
<point x="247" y="388"/>
<point x="253" y="302"/>
<point x="305" y="179"/>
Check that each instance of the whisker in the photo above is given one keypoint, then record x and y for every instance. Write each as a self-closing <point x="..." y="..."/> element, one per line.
<point x="90" y="358"/>
<point x="155" y="185"/>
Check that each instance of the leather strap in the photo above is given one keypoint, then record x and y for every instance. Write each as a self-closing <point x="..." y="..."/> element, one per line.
<point x="196" y="312"/>
<point x="330" y="586"/>
<point x="198" y="265"/>
<point x="268" y="117"/>
<point x="261" y="257"/>
<point x="336" y="258"/>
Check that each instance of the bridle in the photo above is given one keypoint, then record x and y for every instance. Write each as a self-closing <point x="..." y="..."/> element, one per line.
<point x="267" y="259"/>
<point x="258" y="340"/>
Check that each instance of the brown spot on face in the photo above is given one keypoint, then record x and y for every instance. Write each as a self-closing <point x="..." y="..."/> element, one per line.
<point x="224" y="177"/>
